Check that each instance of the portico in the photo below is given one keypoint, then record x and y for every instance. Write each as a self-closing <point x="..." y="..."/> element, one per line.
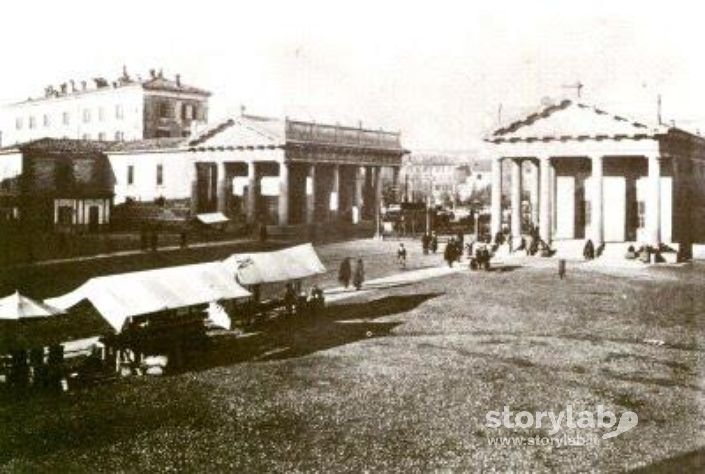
<point x="291" y="172"/>
<point x="600" y="177"/>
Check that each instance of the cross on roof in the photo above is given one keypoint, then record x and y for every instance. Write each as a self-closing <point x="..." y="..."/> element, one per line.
<point x="578" y="86"/>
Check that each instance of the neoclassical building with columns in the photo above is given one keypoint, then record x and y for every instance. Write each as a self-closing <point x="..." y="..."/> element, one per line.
<point x="601" y="177"/>
<point x="278" y="171"/>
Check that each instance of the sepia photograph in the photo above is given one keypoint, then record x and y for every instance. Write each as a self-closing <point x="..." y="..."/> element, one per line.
<point x="367" y="237"/>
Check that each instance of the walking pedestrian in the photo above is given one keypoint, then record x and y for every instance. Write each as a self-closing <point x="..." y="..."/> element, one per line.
<point x="359" y="277"/>
<point x="401" y="256"/>
<point x="345" y="272"/>
<point x="425" y="243"/>
<point x="434" y="242"/>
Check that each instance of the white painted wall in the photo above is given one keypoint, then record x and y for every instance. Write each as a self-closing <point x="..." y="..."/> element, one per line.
<point x="10" y="165"/>
<point x="642" y="189"/>
<point x="130" y="98"/>
<point x="178" y="173"/>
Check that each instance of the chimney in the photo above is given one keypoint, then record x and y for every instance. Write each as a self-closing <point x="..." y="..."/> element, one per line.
<point x="178" y="80"/>
<point x="242" y="109"/>
<point x="63" y="88"/>
<point x="73" y="85"/>
<point x="84" y="85"/>
<point x="152" y="74"/>
<point x="161" y="73"/>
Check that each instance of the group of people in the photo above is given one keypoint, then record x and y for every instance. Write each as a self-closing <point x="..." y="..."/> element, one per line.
<point x="644" y="254"/>
<point x="347" y="275"/>
<point x="429" y="242"/>
<point x="454" y="249"/>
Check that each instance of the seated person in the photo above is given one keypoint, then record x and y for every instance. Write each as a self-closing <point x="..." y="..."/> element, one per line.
<point x="631" y="253"/>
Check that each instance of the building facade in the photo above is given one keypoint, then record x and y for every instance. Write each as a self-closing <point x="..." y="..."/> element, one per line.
<point x="433" y="175"/>
<point x="121" y="110"/>
<point x="601" y="177"/>
<point x="56" y="184"/>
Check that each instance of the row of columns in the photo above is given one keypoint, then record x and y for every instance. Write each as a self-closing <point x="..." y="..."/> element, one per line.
<point x="370" y="176"/>
<point x="542" y="197"/>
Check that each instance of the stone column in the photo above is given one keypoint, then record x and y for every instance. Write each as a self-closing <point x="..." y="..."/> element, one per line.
<point x="378" y="187"/>
<point x="653" y="201"/>
<point x="334" y="201"/>
<point x="283" y="201"/>
<point x="358" y="199"/>
<point x="516" y="202"/>
<point x="194" y="190"/>
<point x="222" y="188"/>
<point x="311" y="195"/>
<point x="395" y="182"/>
<point x="496" y="206"/>
<point x="252" y="192"/>
<point x="545" y="204"/>
<point x="534" y="192"/>
<point x="597" y="219"/>
<point x="554" y="207"/>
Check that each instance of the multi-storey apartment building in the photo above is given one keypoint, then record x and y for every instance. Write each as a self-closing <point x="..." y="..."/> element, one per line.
<point x="129" y="108"/>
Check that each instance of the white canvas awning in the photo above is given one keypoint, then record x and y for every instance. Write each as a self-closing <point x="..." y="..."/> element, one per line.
<point x="212" y="218"/>
<point x="293" y="263"/>
<point x="17" y="306"/>
<point x="118" y="297"/>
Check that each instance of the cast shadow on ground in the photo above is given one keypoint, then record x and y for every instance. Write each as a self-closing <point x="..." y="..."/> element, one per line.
<point x="296" y="336"/>
<point x="693" y="461"/>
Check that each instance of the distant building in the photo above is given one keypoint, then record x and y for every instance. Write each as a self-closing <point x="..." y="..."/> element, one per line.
<point x="125" y="109"/>
<point x="437" y="175"/>
<point x="478" y="178"/>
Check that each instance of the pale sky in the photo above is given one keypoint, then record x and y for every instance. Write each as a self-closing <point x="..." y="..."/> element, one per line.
<point x="437" y="70"/>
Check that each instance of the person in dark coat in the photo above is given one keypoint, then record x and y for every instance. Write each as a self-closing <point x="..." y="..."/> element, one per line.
<point x="425" y="243"/>
<point x="434" y="243"/>
<point x="345" y="272"/>
<point x="449" y="255"/>
<point x="263" y="233"/>
<point x="401" y="256"/>
<point x="589" y="250"/>
<point x="359" y="276"/>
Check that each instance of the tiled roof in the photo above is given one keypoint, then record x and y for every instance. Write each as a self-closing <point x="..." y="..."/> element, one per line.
<point x="164" y="84"/>
<point x="61" y="145"/>
<point x="149" y="144"/>
<point x="571" y="120"/>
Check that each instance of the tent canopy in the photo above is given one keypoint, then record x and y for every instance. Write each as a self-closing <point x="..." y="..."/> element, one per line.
<point x="292" y="263"/>
<point x="212" y="218"/>
<point x="119" y="297"/>
<point x="17" y="306"/>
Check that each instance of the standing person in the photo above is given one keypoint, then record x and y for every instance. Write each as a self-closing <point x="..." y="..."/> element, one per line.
<point x="401" y="255"/>
<point x="345" y="272"/>
<point x="449" y="253"/>
<point x="589" y="250"/>
<point x="359" y="277"/>
<point x="434" y="242"/>
<point x="289" y="299"/>
<point x="425" y="243"/>
<point x="263" y="232"/>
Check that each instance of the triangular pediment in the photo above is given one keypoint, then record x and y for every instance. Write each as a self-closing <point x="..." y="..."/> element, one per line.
<point x="571" y="120"/>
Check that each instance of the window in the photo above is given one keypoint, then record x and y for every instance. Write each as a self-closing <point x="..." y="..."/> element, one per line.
<point x="101" y="114"/>
<point x="130" y="174"/>
<point x="119" y="136"/>
<point x="101" y="136"/>
<point x="65" y="215"/>
<point x="187" y="112"/>
<point x="119" y="113"/>
<point x="86" y="115"/>
<point x="164" y="109"/>
<point x="160" y="175"/>
<point x="32" y="122"/>
<point x="65" y="118"/>
<point x="18" y="123"/>
<point x="46" y="120"/>
<point x="641" y="213"/>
